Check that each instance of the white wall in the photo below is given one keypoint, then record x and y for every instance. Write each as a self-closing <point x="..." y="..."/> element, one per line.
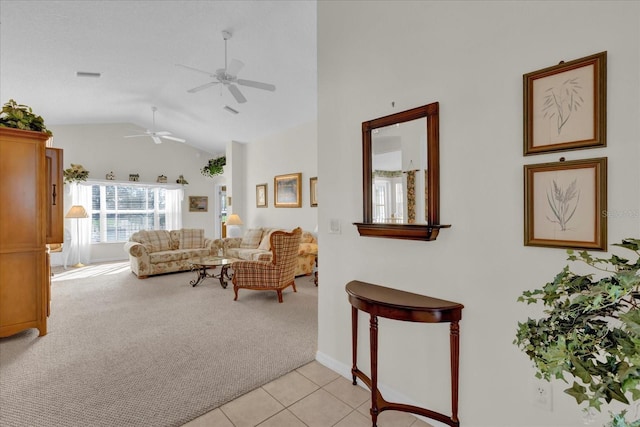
<point x="469" y="56"/>
<point x="292" y="151"/>
<point x="102" y="148"/>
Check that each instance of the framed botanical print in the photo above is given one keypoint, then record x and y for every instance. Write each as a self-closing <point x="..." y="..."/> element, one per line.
<point x="565" y="204"/>
<point x="261" y="196"/>
<point x="565" y="106"/>
<point x="313" y="191"/>
<point x="286" y="190"/>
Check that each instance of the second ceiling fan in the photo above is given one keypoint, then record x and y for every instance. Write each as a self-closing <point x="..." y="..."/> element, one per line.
<point x="228" y="76"/>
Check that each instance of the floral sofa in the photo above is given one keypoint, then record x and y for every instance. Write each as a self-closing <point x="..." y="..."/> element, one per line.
<point x="161" y="251"/>
<point x="255" y="243"/>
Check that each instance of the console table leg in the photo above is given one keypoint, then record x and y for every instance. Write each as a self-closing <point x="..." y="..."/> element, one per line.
<point x="373" y="336"/>
<point x="454" y="338"/>
<point x="354" y="343"/>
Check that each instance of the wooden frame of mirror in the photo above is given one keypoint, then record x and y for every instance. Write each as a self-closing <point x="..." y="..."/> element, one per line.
<point x="430" y="230"/>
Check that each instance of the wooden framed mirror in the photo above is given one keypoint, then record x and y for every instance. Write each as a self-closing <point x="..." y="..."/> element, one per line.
<point x="401" y="175"/>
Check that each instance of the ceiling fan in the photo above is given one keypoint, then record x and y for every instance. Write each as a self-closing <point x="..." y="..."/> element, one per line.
<point x="228" y="76"/>
<point x="157" y="135"/>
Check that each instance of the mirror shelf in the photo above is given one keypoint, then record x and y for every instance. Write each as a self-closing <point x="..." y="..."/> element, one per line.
<point x="400" y="231"/>
<point x="392" y="146"/>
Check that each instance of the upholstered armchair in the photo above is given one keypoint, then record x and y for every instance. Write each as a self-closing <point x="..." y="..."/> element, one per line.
<point x="275" y="274"/>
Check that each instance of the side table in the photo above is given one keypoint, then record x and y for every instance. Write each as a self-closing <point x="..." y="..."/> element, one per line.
<point x="405" y="306"/>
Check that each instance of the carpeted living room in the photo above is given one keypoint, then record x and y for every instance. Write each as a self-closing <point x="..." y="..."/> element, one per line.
<point x="154" y="352"/>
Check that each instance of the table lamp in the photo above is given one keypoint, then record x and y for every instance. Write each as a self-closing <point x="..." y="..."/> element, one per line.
<point x="234" y="219"/>
<point x="77" y="212"/>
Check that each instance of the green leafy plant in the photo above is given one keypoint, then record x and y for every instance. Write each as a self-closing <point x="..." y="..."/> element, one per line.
<point x="214" y="166"/>
<point x="18" y="116"/>
<point x="75" y="173"/>
<point x="590" y="333"/>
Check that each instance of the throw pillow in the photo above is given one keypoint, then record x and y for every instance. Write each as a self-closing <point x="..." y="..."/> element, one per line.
<point x="191" y="238"/>
<point x="265" y="244"/>
<point x="251" y="238"/>
<point x="158" y="240"/>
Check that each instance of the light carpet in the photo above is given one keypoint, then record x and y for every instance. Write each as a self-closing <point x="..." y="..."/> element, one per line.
<point x="155" y="352"/>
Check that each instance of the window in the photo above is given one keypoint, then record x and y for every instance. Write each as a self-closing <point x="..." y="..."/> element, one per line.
<point x="118" y="211"/>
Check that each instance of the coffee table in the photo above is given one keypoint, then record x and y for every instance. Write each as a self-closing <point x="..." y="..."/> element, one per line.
<point x="201" y="265"/>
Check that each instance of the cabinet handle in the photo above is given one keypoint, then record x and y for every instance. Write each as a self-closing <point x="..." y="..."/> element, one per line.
<point x="54" y="194"/>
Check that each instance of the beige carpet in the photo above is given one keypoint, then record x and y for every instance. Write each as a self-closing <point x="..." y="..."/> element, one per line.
<point x="156" y="352"/>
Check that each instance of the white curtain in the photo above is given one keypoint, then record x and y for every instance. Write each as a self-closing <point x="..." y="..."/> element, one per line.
<point x="173" y="208"/>
<point x="80" y="227"/>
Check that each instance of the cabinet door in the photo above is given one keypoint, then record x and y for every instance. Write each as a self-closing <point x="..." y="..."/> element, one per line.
<point x="54" y="206"/>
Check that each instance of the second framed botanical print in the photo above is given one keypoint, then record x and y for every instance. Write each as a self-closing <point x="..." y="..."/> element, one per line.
<point x="287" y="191"/>
<point x="261" y="196"/>
<point x="565" y="204"/>
<point x="565" y="106"/>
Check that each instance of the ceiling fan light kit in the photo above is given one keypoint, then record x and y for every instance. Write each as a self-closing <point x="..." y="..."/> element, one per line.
<point x="227" y="76"/>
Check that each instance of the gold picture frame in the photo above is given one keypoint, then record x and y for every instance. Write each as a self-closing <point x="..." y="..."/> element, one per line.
<point x="565" y="204"/>
<point x="313" y="191"/>
<point x="198" y="204"/>
<point x="565" y="106"/>
<point x="261" y="196"/>
<point x="287" y="191"/>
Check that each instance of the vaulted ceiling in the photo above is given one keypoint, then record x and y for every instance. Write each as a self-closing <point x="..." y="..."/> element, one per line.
<point x="136" y="44"/>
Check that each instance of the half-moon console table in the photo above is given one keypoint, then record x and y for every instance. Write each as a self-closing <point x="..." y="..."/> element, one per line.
<point x="399" y="305"/>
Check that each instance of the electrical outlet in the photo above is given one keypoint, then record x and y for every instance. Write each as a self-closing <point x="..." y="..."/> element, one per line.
<point x="543" y="395"/>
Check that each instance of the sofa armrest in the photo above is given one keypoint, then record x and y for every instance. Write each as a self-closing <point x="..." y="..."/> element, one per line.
<point x="137" y="250"/>
<point x="224" y="244"/>
<point x="209" y="244"/>
<point x="308" y="249"/>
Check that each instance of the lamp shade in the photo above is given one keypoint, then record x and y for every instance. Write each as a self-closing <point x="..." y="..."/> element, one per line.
<point x="234" y="219"/>
<point x="77" y="211"/>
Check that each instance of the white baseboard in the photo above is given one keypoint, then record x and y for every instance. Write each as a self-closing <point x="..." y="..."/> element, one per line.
<point x="389" y="394"/>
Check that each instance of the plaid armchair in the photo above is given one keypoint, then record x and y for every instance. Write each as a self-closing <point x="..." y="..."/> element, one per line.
<point x="275" y="274"/>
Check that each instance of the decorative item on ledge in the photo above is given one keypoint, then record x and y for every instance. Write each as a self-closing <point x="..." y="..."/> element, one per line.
<point x="134" y="177"/>
<point x="75" y="173"/>
<point x="214" y="167"/>
<point x="110" y="176"/>
<point x="161" y="179"/>
<point x="181" y="180"/>
<point x="18" y="116"/>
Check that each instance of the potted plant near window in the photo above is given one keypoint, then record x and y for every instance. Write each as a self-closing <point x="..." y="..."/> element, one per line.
<point x="214" y="166"/>
<point x="590" y="333"/>
<point x="18" y="116"/>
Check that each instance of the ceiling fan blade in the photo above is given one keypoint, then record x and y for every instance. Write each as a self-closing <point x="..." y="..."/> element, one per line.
<point x="156" y="139"/>
<point x="173" y="138"/>
<point x="162" y="133"/>
<point x="257" y="85"/>
<point x="196" y="70"/>
<point x="202" y="87"/>
<point x="135" y="136"/>
<point x="237" y="94"/>
<point x="234" y="67"/>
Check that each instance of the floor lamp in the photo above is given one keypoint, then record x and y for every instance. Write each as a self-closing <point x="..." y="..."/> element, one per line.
<point x="77" y="212"/>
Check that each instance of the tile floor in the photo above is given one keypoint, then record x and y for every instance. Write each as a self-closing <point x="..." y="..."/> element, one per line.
<point x="312" y="396"/>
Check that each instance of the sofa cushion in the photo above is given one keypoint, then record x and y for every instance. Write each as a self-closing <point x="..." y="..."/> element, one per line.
<point x="191" y="238"/>
<point x="307" y="237"/>
<point x="177" y="255"/>
<point x="245" y="254"/>
<point x="155" y="240"/>
<point x="251" y="238"/>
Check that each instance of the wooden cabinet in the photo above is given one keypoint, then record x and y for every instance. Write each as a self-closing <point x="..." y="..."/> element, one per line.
<point x="28" y="221"/>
